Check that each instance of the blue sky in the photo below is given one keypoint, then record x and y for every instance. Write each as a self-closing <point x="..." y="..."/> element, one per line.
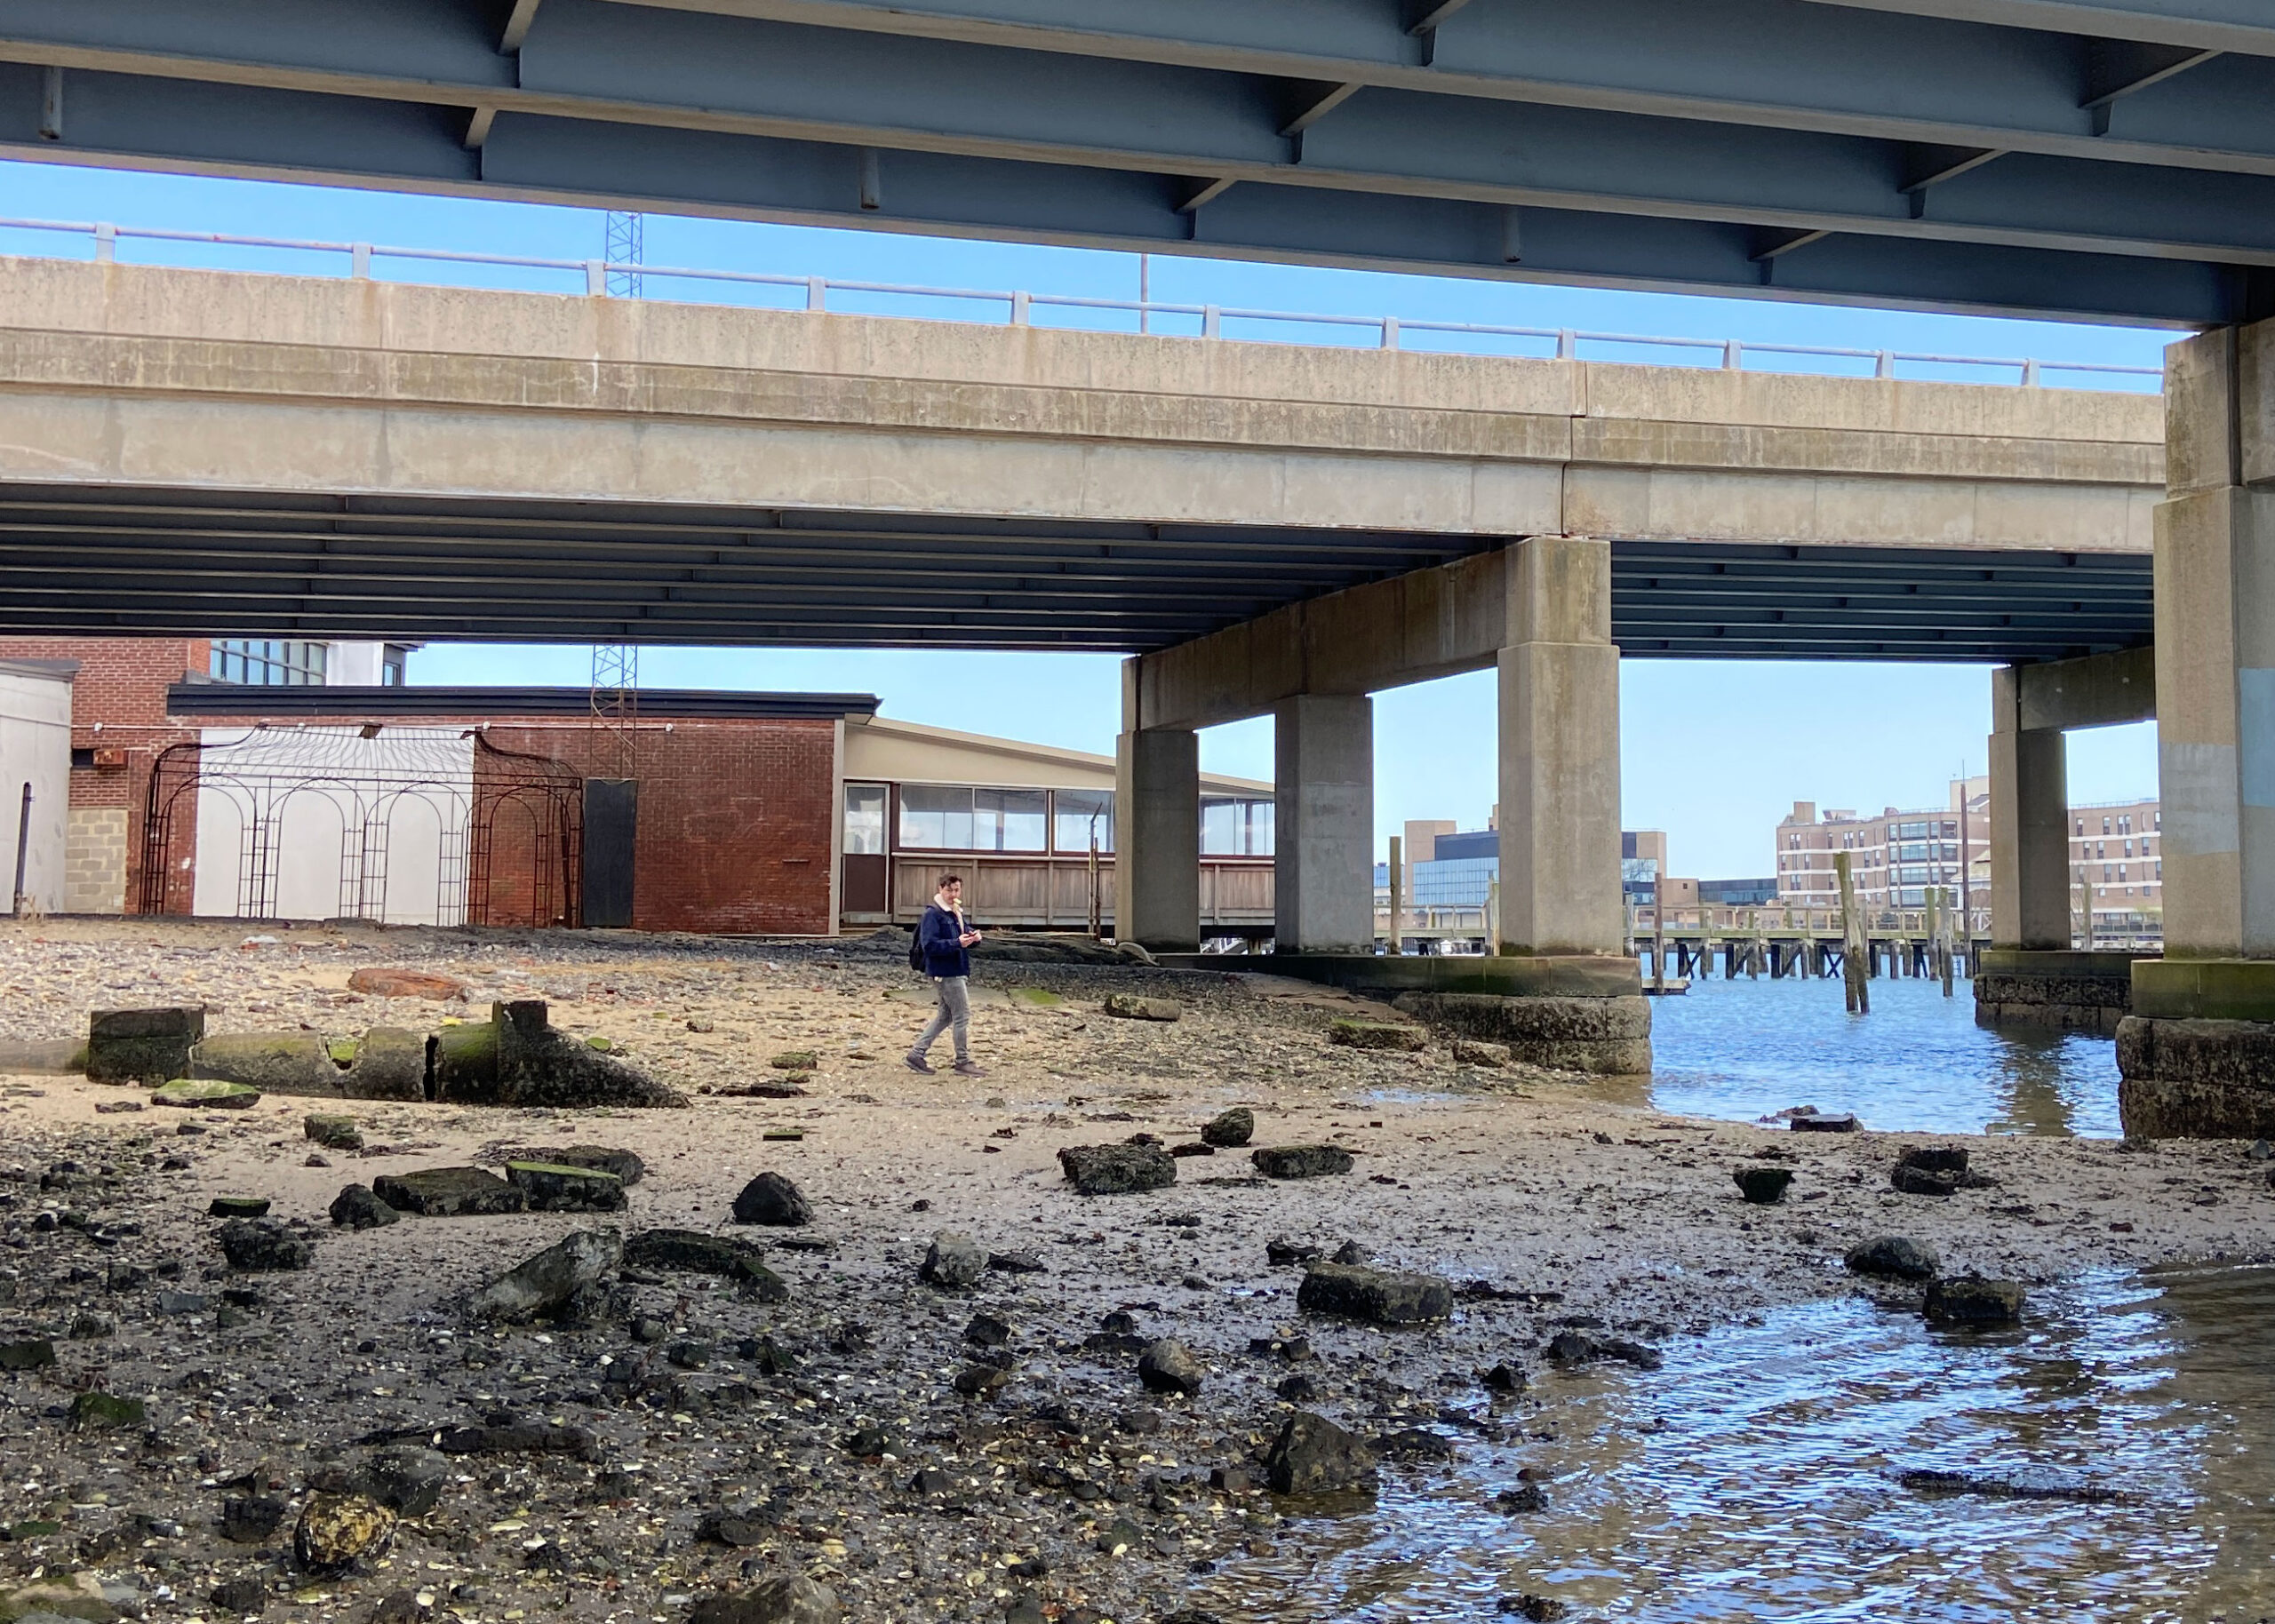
<point x="1714" y="752"/>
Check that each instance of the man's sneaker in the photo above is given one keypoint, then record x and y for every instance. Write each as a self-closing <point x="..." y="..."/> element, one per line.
<point x="964" y="1068"/>
<point x="917" y="1063"/>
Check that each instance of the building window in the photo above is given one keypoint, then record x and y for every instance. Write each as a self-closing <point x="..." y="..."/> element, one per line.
<point x="273" y="662"/>
<point x="957" y="817"/>
<point x="1075" y="812"/>
<point x="864" y="820"/>
<point x="2104" y="825"/>
<point x="1236" y="828"/>
<point x="394" y="662"/>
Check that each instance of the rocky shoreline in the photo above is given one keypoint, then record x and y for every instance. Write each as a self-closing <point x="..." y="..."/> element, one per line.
<point x="1080" y="1415"/>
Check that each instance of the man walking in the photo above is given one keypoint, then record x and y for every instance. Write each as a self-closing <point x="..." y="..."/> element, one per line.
<point x="945" y="942"/>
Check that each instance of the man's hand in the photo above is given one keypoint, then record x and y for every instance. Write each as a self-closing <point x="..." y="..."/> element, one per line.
<point x="971" y="938"/>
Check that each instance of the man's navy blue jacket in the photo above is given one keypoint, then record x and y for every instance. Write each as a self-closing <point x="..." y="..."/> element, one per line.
<point x="941" y="935"/>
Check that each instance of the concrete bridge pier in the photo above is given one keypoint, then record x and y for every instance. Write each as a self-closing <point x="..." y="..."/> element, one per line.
<point x="1559" y="992"/>
<point x="2198" y="1055"/>
<point x="2032" y="976"/>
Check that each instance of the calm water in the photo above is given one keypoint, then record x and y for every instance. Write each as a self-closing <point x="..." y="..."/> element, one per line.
<point x="1744" y="1048"/>
<point x="1754" y="1477"/>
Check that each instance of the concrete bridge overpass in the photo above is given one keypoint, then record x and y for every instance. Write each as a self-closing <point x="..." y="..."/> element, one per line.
<point x="200" y="451"/>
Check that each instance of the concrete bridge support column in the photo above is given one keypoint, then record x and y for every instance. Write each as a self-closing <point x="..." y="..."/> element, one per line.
<point x="1323" y="760"/>
<point x="2198" y="1056"/>
<point x="1157" y="839"/>
<point x="1559" y="753"/>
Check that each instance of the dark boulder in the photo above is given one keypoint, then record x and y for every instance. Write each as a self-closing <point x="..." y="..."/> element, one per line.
<point x="549" y="1282"/>
<point x="773" y="1200"/>
<point x="1895" y="1256"/>
<point x="358" y="1207"/>
<point x="1230" y="1129"/>
<point x="1763" y="1186"/>
<point x="448" y="1192"/>
<point x="1311" y="1455"/>
<point x="264" y="1243"/>
<point x="1117" y="1169"/>
<point x="1168" y="1366"/>
<point x="694" y="1253"/>
<point x="954" y="1261"/>
<point x="1300" y="1161"/>
<point x="1379" y="1296"/>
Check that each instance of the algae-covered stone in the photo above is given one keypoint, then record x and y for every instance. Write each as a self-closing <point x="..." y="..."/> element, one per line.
<point x="336" y="1529"/>
<point x="390" y="1065"/>
<point x="549" y="1281"/>
<point x="333" y="1133"/>
<point x="1311" y="1455"/>
<point x="517" y="1058"/>
<point x="1230" y="1129"/>
<point x="1972" y="1301"/>
<point x="265" y="1245"/>
<point x="1392" y="1035"/>
<point x="1131" y="1007"/>
<point x="293" y="1062"/>
<point x="359" y="1208"/>
<point x="34" y="1354"/>
<point x="238" y="1207"/>
<point x="143" y="1046"/>
<point x="1300" y="1161"/>
<point x="720" y="1254"/>
<point x="1117" y="1169"/>
<point x="206" y="1095"/>
<point x="626" y="1164"/>
<point x="448" y="1192"/>
<point x="795" y="1060"/>
<point x="1895" y="1256"/>
<point x="552" y="1187"/>
<point x="106" y="1412"/>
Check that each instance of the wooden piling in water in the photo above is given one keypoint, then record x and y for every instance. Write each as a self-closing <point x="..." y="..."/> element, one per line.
<point x="1856" y="945"/>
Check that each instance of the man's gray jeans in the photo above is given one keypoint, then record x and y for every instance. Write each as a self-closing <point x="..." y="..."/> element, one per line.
<point x="954" y="1010"/>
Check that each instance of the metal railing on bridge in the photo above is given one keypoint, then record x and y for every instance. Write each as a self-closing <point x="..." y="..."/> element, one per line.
<point x="1020" y="309"/>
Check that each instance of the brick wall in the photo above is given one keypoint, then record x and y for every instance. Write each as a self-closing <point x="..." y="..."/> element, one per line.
<point x="121" y="685"/>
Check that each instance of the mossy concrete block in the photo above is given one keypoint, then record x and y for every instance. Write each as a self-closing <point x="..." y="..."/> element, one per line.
<point x="553" y="1187"/>
<point x="795" y="1060"/>
<point x="200" y="1095"/>
<point x="143" y="1046"/>
<point x="1605" y="1037"/>
<point x="106" y="1413"/>
<point x="1395" y="1036"/>
<point x="1300" y="1161"/>
<point x="333" y="1133"/>
<point x="720" y="1254"/>
<point x="2196" y="1079"/>
<point x="1379" y="1296"/>
<point x="275" y="1063"/>
<point x="626" y="1164"/>
<point x="390" y="1065"/>
<point x="448" y="1192"/>
<point x="517" y="1058"/>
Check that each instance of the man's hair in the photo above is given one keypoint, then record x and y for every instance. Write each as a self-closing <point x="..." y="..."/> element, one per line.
<point x="948" y="879"/>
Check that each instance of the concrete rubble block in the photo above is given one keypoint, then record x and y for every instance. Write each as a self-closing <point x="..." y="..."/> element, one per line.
<point x="1379" y="1296"/>
<point x="205" y="1096"/>
<point x="1300" y="1161"/>
<point x="1395" y="1036"/>
<point x="1763" y="1186"/>
<point x="143" y="1046"/>
<point x="2196" y="1079"/>
<point x="1470" y="1052"/>
<point x="448" y="1192"/>
<point x="694" y="1253"/>
<point x="517" y="1058"/>
<point x="1117" y="1169"/>
<point x="1895" y="1256"/>
<point x="275" y="1063"/>
<point x="550" y="1281"/>
<point x="549" y="1187"/>
<point x="625" y="1165"/>
<point x="378" y="982"/>
<point x="1973" y="1301"/>
<point x="1131" y="1007"/>
<point x="1605" y="1037"/>
<point x="954" y="1261"/>
<point x="1168" y="1366"/>
<point x="265" y="1245"/>
<point x="2088" y="992"/>
<point x="408" y="1480"/>
<point x="390" y="1064"/>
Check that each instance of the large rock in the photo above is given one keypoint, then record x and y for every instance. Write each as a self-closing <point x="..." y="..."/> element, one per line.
<point x="1168" y="1366"/>
<point x="1395" y="1036"/>
<point x="1763" y="1186"/>
<point x="549" y="1187"/>
<point x="383" y="983"/>
<point x="338" y="1531"/>
<point x="1608" y="1036"/>
<point x="359" y="1208"/>
<point x="1380" y="1297"/>
<point x="517" y="1058"/>
<point x="1895" y="1257"/>
<point x="626" y="1164"/>
<point x="1229" y="1130"/>
<point x="1300" y="1161"/>
<point x="143" y="1046"/>
<point x="550" y="1281"/>
<point x="333" y="1133"/>
<point x="390" y="1065"/>
<point x="1311" y="1455"/>
<point x="258" y="1245"/>
<point x="699" y="1253"/>
<point x="954" y="1261"/>
<point x="1117" y="1169"/>
<point x="448" y="1192"/>
<point x="773" y="1200"/>
<point x="408" y="1480"/>
<point x="792" y="1599"/>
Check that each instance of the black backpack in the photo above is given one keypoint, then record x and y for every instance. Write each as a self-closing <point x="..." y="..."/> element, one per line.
<point x="916" y="949"/>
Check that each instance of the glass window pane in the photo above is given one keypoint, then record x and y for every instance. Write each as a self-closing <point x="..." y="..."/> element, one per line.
<point x="1220" y="827"/>
<point x="936" y="817"/>
<point x="865" y="819"/>
<point x="1260" y="828"/>
<point x="1077" y="812"/>
<point x="1008" y="820"/>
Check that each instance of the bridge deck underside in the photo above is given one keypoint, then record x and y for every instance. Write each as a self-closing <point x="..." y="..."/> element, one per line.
<point x="77" y="561"/>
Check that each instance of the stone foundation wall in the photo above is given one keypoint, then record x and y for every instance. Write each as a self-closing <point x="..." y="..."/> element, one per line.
<point x="2066" y="1003"/>
<point x="2196" y="1079"/>
<point x="1609" y="1037"/>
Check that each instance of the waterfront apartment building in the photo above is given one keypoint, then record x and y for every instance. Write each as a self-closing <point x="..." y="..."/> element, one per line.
<point x="2117" y="871"/>
<point x="1896" y="857"/>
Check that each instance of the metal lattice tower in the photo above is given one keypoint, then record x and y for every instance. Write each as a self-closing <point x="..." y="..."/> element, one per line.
<point x="616" y="707"/>
<point x="625" y="246"/>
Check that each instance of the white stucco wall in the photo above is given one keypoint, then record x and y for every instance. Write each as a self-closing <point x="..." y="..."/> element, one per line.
<point x="35" y="750"/>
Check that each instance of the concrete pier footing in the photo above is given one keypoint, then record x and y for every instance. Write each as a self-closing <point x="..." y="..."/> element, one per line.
<point x="2057" y="988"/>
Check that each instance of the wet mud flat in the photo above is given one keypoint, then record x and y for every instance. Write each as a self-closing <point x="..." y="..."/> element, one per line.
<point x="962" y="1448"/>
